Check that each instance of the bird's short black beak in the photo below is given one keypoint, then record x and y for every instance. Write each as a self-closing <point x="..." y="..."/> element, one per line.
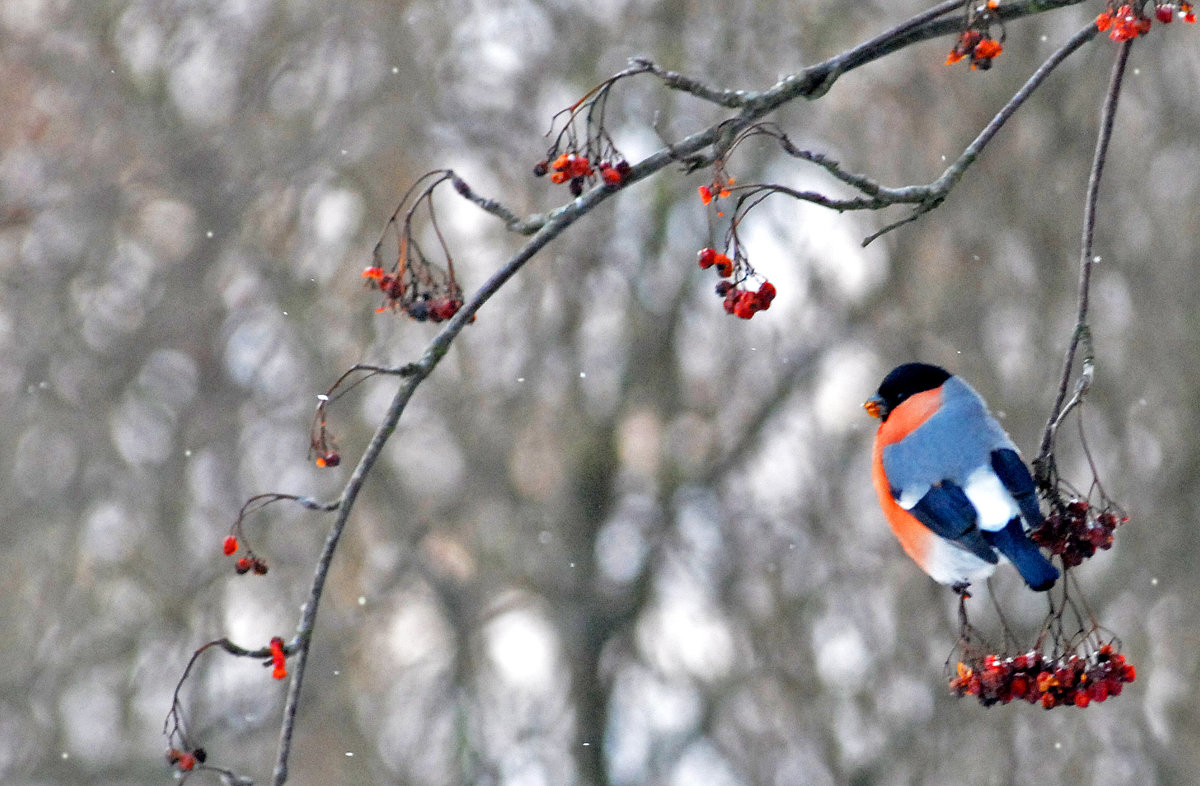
<point x="876" y="407"/>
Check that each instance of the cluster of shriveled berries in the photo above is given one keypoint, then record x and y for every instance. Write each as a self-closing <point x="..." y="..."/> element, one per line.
<point x="434" y="309"/>
<point x="717" y="189"/>
<point x="975" y="42"/>
<point x="745" y="303"/>
<point x="576" y="169"/>
<point x="740" y="302"/>
<point x="247" y="563"/>
<point x="1074" y="531"/>
<point x="1129" y="21"/>
<point x="1065" y="681"/>
<point x="976" y="45"/>
<point x="186" y="761"/>
<point x="278" y="660"/>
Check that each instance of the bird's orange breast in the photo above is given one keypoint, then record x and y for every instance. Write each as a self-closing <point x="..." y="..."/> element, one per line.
<point x="903" y="420"/>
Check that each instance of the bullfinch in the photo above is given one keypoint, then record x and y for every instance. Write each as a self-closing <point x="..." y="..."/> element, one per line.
<point x="950" y="481"/>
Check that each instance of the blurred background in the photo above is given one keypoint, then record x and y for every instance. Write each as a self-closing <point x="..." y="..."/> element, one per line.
<point x="619" y="537"/>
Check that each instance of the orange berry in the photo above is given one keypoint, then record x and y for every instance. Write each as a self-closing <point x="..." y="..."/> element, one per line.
<point x="705" y="194"/>
<point x="987" y="49"/>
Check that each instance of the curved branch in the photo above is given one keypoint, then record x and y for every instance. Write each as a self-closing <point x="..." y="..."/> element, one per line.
<point x="418" y="372"/>
<point x="1081" y="334"/>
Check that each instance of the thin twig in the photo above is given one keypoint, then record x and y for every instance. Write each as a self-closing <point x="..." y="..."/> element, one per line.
<point x="420" y="370"/>
<point x="936" y="192"/>
<point x="1081" y="332"/>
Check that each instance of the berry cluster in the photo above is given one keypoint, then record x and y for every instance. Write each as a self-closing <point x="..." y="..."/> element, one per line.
<point x="978" y="47"/>
<point x="577" y="170"/>
<point x="739" y="301"/>
<point x="1128" y="21"/>
<point x="421" y="307"/>
<point x="975" y="42"/>
<point x="583" y="150"/>
<point x="718" y="189"/>
<point x="1074" y="531"/>
<point x="278" y="660"/>
<point x="745" y="303"/>
<point x="1064" y="681"/>
<point x="246" y="563"/>
<point x="186" y="761"/>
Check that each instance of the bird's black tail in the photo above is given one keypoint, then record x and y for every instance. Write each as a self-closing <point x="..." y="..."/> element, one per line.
<point x="1013" y="543"/>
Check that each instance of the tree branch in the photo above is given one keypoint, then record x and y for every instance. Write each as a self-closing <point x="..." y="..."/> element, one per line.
<point x="1082" y="333"/>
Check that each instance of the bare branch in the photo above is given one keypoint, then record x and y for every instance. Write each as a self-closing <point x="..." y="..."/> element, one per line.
<point x="1081" y="333"/>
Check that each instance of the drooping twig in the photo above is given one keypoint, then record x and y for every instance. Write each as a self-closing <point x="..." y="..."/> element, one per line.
<point x="1082" y="333"/>
<point x="419" y="371"/>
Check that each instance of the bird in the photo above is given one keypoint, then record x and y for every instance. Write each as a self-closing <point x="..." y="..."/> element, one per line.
<point x="950" y="480"/>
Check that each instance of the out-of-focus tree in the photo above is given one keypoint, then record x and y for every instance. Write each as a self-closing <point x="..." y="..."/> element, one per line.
<point x="619" y="536"/>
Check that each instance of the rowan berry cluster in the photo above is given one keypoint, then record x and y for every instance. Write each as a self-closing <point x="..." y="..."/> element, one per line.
<point x="738" y="300"/>
<point x="975" y="42"/>
<point x="1129" y="20"/>
<point x="977" y="46"/>
<point x="1063" y="681"/>
<point x="186" y="761"/>
<point x="1074" y="530"/>
<point x="420" y="306"/>
<point x="577" y="170"/>
<point x="246" y="563"/>
<point x="717" y="189"/>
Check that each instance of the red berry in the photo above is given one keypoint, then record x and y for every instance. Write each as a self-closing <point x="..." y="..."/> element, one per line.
<point x="1048" y="700"/>
<point x="746" y="305"/>
<point x="706" y="258"/>
<point x="243" y="565"/>
<point x="724" y="266"/>
<point x="1165" y="14"/>
<point x="610" y="175"/>
<point x="1018" y="686"/>
<point x="1082" y="698"/>
<point x="1129" y="673"/>
<point x="231" y="545"/>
